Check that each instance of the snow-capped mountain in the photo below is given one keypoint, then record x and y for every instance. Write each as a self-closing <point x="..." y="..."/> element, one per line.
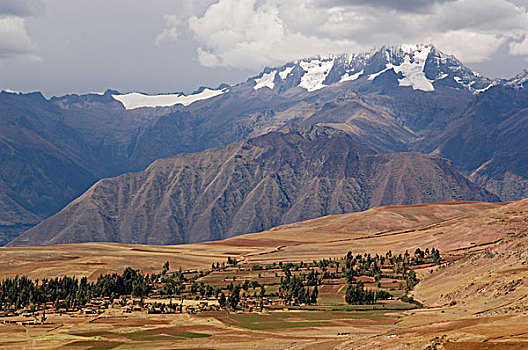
<point x="421" y="67"/>
<point x="520" y="81"/>
<point x="395" y="99"/>
<point x="135" y="100"/>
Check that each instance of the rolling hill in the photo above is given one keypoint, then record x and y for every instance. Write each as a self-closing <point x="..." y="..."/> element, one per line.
<point x="476" y="299"/>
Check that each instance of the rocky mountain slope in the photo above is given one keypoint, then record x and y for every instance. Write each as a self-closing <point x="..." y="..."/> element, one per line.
<point x="43" y="165"/>
<point x="489" y="141"/>
<point x="52" y="151"/>
<point x="393" y="99"/>
<point x="250" y="186"/>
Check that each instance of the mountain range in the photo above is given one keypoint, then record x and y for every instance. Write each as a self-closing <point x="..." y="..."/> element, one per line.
<point x="251" y="186"/>
<point x="407" y="98"/>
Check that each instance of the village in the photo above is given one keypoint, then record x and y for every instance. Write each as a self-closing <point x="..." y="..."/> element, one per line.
<point x="341" y="283"/>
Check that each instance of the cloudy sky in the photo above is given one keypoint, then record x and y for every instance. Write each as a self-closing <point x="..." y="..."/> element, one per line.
<point x="64" y="46"/>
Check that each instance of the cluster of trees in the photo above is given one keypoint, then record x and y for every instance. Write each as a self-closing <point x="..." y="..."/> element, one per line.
<point x="362" y="265"/>
<point x="356" y="294"/>
<point x="130" y="282"/>
<point x="204" y="290"/>
<point x="235" y="297"/>
<point x="367" y="265"/>
<point x="173" y="284"/>
<point x="293" y="289"/>
<point x="70" y="292"/>
<point x="18" y="292"/>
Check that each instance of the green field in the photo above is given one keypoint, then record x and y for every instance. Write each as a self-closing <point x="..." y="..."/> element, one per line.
<point x="270" y="321"/>
<point x="95" y="345"/>
<point x="135" y="336"/>
<point x="297" y="319"/>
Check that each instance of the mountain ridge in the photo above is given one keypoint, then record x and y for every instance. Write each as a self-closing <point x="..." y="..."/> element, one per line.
<point x="377" y="61"/>
<point x="95" y="136"/>
<point x="250" y="186"/>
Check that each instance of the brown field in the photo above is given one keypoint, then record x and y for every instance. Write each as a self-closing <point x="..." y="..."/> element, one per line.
<point x="477" y="300"/>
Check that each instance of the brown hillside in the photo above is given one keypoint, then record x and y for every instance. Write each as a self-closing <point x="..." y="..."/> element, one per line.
<point x="251" y="186"/>
<point x="383" y="228"/>
<point x="476" y="300"/>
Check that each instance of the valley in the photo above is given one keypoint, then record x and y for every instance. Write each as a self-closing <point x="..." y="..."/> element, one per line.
<point x="401" y="149"/>
<point x="475" y="298"/>
<point x="262" y="174"/>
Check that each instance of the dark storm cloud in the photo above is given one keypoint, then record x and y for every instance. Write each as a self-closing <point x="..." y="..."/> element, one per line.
<point x="172" y="45"/>
<point x="417" y="6"/>
<point x="21" y="8"/>
<point x="14" y="38"/>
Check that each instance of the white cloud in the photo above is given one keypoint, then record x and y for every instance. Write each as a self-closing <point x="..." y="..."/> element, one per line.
<point x="21" y="8"/>
<point x="414" y="6"/>
<point x="246" y="34"/>
<point x="172" y="28"/>
<point x="14" y="38"/>
<point x="468" y="46"/>
<point x="255" y="33"/>
<point x="519" y="48"/>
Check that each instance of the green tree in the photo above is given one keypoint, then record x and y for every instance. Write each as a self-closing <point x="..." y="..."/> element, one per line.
<point x="314" y="295"/>
<point x="222" y="300"/>
<point x="234" y="298"/>
<point x="356" y="294"/>
<point x="166" y="268"/>
<point x="436" y="256"/>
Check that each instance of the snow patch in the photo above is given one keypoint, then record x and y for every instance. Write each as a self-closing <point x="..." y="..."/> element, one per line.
<point x="413" y="71"/>
<point x="137" y="100"/>
<point x="518" y="81"/>
<point x="348" y="77"/>
<point x="461" y="82"/>
<point x="375" y="75"/>
<point x="412" y="68"/>
<point x="284" y="74"/>
<point x="478" y="91"/>
<point x="316" y="73"/>
<point x="9" y="91"/>
<point x="267" y="80"/>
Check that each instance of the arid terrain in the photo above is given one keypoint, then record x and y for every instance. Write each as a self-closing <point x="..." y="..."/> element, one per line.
<point x="251" y="186"/>
<point x="237" y="174"/>
<point x="476" y="299"/>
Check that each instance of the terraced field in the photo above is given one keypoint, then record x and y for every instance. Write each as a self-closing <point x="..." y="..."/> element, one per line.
<point x="477" y="299"/>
